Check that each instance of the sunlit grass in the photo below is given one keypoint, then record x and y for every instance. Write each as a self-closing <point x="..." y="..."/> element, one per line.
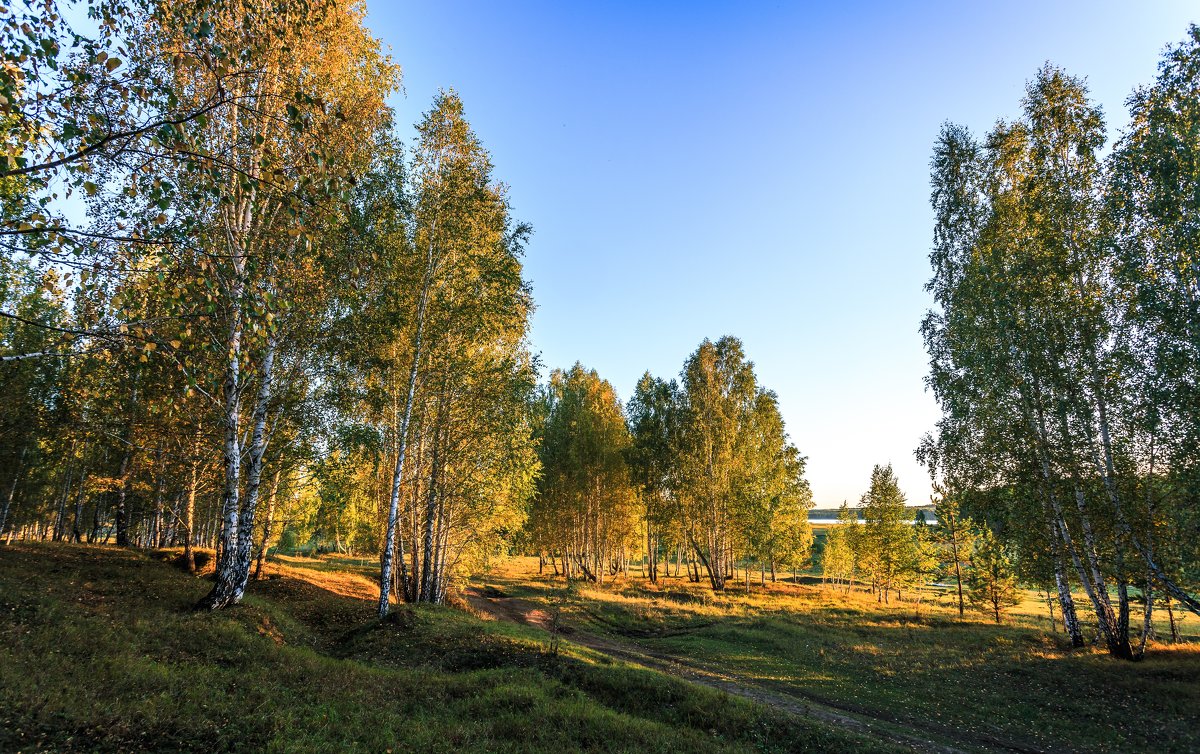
<point x="100" y="650"/>
<point x="915" y="660"/>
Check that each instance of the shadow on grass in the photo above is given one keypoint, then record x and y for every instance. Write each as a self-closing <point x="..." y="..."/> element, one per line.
<point x="1013" y="684"/>
<point x="101" y="652"/>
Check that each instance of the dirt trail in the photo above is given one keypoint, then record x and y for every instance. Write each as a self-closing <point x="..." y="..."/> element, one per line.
<point x="904" y="732"/>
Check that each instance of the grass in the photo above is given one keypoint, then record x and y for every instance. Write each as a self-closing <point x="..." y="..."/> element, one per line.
<point x="963" y="681"/>
<point x="100" y="651"/>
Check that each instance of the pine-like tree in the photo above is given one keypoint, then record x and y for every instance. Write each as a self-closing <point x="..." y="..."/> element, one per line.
<point x="992" y="578"/>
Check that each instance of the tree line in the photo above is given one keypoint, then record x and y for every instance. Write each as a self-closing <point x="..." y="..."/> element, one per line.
<point x="236" y="305"/>
<point x="697" y="470"/>
<point x="1065" y="344"/>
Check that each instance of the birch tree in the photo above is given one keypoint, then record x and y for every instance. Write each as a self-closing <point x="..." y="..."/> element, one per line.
<point x="467" y="373"/>
<point x="1037" y="392"/>
<point x="285" y="149"/>
<point x="653" y="417"/>
<point x="886" y="551"/>
<point x="584" y="512"/>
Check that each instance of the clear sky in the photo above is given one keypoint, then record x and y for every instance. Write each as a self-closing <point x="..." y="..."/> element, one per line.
<point x="696" y="169"/>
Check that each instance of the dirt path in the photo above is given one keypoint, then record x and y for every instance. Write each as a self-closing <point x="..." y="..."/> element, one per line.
<point x="796" y="702"/>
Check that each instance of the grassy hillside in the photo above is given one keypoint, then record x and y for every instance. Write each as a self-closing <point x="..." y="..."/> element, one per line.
<point x="100" y="651"/>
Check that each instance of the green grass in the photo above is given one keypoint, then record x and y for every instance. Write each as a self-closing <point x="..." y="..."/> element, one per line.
<point x="968" y="682"/>
<point x="100" y="651"/>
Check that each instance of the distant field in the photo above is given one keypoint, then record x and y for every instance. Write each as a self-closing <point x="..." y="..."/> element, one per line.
<point x="830" y="514"/>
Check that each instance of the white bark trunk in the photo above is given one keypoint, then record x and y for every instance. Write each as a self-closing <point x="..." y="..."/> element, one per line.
<point x="389" y="539"/>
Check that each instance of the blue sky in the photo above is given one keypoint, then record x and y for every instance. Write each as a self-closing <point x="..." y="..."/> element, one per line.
<point x="757" y="169"/>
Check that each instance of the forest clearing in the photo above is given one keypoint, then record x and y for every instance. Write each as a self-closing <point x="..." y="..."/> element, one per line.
<point x="910" y="669"/>
<point x="102" y="652"/>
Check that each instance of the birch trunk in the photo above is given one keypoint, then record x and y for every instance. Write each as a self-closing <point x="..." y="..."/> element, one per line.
<point x="189" y="508"/>
<point x="12" y="491"/>
<point x="232" y="448"/>
<point x="427" y="551"/>
<point x="233" y="569"/>
<point x="389" y="539"/>
<point x="268" y="520"/>
<point x="121" y="517"/>
<point x="156" y="524"/>
<point x="76" y="533"/>
<point x="61" y="513"/>
<point x="1065" y="600"/>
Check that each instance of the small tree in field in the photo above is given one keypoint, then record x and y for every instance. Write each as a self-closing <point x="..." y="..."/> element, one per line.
<point x="992" y="580"/>
<point x="953" y="533"/>
<point x="886" y="553"/>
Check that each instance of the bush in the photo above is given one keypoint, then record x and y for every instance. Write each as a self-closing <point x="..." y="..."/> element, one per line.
<point x="287" y="541"/>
